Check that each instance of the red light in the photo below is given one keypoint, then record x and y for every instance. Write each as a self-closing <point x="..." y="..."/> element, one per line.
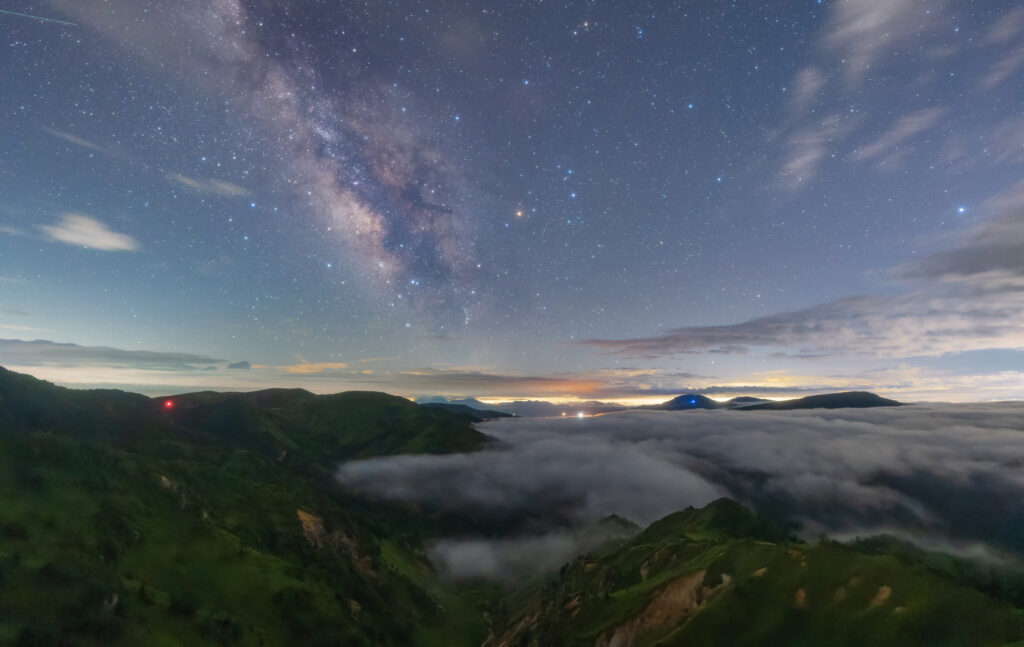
<point x="168" y="404"/>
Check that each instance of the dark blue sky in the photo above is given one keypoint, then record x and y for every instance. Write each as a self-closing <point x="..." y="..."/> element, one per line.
<point x="524" y="199"/>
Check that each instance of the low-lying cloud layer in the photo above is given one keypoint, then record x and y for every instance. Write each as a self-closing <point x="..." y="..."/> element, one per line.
<point x="941" y="471"/>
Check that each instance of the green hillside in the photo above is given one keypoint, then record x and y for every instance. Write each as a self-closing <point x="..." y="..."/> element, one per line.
<point x="212" y="521"/>
<point x="722" y="576"/>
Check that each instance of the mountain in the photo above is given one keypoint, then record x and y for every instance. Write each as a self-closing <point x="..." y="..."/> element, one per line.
<point x="474" y="415"/>
<point x="723" y="576"/>
<point x="853" y="399"/>
<point x="213" y="518"/>
<point x="354" y="424"/>
<point x="529" y="408"/>
<point x="859" y="399"/>
<point x="687" y="401"/>
<point x="744" y="401"/>
<point x="472" y="403"/>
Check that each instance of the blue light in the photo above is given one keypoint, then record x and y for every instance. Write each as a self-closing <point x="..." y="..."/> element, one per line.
<point x="693" y="400"/>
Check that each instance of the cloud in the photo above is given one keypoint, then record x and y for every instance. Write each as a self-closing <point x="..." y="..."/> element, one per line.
<point x="47" y="353"/>
<point x="210" y="185"/>
<point x="924" y="322"/>
<point x="863" y="31"/>
<point x="305" y="368"/>
<point x="23" y="328"/>
<point x="902" y="130"/>
<point x="497" y="383"/>
<point x="563" y="479"/>
<point x="968" y="297"/>
<point x="807" y="86"/>
<point x="808" y="146"/>
<point x="503" y="560"/>
<point x="990" y="257"/>
<point x="78" y="229"/>
<point x="243" y="365"/>
<point x="1006" y="27"/>
<point x="926" y="470"/>
<point x="451" y="382"/>
<point x="74" y="139"/>
<point x="1003" y="69"/>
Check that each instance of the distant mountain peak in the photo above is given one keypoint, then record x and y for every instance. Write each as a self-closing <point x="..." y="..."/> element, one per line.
<point x="689" y="401"/>
<point x="845" y="399"/>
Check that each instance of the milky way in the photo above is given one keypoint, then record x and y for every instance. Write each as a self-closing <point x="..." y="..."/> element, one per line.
<point x="632" y="198"/>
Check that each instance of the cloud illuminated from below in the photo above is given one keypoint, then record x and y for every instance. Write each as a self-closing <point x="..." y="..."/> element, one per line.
<point x="78" y="229"/>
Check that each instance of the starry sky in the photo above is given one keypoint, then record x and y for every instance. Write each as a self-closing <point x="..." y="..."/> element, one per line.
<point x="518" y="200"/>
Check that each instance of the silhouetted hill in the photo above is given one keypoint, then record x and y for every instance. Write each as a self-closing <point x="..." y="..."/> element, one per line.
<point x="687" y="401"/>
<point x="744" y="401"/>
<point x="213" y="518"/>
<point x="853" y="399"/>
<point x="326" y="428"/>
<point x="475" y="415"/>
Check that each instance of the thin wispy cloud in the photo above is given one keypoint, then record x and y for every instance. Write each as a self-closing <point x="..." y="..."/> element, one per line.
<point x="808" y="147"/>
<point x="905" y="128"/>
<point x="84" y="231"/>
<point x="807" y="86"/>
<point x="1006" y="27"/>
<point x="1005" y="68"/>
<point x="862" y="32"/>
<point x="73" y="139"/>
<point x="48" y="353"/>
<point x="969" y="297"/>
<point x="308" y="368"/>
<point x="210" y="185"/>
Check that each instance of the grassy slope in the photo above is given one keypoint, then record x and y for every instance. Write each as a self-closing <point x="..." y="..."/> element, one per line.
<point x="124" y="523"/>
<point x="773" y="592"/>
<point x="216" y="522"/>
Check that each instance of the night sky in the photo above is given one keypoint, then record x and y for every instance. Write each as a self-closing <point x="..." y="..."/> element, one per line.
<point x="594" y="200"/>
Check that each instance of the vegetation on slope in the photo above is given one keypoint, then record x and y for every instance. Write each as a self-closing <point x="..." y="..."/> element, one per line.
<point x="722" y="576"/>
<point x="212" y="520"/>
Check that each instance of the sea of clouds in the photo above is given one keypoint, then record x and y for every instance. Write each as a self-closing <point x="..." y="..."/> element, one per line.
<point x="947" y="475"/>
